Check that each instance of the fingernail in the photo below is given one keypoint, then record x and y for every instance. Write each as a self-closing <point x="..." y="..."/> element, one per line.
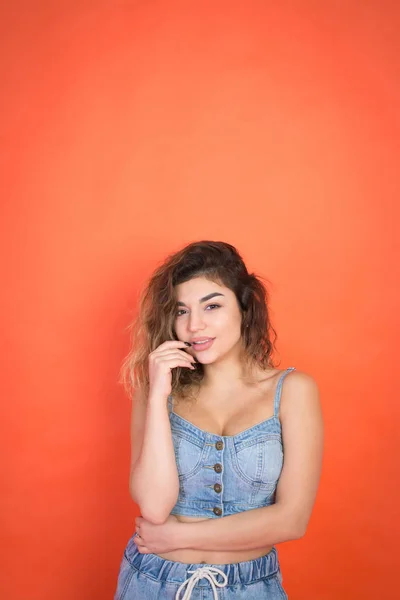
<point x="187" y="343"/>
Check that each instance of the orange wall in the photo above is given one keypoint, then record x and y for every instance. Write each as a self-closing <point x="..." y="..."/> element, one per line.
<point x="132" y="128"/>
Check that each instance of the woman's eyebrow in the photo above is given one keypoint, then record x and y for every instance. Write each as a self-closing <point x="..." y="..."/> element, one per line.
<point x="208" y="297"/>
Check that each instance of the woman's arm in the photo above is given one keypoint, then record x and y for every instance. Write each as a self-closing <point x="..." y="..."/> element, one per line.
<point x="153" y="480"/>
<point x="287" y="519"/>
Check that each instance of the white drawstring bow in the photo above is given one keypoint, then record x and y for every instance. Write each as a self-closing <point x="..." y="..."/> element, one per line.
<point x="200" y="573"/>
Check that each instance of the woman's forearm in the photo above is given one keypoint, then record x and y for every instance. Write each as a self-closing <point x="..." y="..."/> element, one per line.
<point x="154" y="482"/>
<point x="250" y="529"/>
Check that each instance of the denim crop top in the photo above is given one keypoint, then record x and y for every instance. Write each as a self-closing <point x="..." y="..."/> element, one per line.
<point x="223" y="475"/>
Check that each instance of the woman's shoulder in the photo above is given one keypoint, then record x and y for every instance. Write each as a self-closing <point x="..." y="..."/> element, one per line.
<point x="296" y="377"/>
<point x="299" y="392"/>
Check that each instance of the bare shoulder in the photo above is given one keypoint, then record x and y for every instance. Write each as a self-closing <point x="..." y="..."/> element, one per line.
<point x="299" y="378"/>
<point x="300" y="392"/>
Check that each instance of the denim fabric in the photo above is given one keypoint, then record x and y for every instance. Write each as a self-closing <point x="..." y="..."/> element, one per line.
<point x="150" y="577"/>
<point x="224" y="475"/>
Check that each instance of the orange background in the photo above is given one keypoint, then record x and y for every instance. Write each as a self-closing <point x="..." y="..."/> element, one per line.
<point x="130" y="129"/>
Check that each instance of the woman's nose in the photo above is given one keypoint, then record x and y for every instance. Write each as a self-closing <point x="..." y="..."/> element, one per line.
<point x="196" y="322"/>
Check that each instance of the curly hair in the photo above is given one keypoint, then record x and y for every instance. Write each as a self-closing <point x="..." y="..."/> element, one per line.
<point x="219" y="262"/>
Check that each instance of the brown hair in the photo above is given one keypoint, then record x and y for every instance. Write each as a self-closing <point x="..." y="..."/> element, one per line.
<point x="221" y="263"/>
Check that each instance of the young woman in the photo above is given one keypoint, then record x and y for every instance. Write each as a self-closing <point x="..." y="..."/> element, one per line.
<point x="226" y="448"/>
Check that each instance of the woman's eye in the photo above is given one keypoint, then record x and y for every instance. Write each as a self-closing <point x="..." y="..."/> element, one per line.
<point x="183" y="311"/>
<point x="213" y="306"/>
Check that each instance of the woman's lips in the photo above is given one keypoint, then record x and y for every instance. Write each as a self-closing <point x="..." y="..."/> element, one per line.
<point x="202" y="346"/>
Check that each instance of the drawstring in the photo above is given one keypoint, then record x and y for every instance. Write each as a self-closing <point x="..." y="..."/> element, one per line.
<point x="207" y="573"/>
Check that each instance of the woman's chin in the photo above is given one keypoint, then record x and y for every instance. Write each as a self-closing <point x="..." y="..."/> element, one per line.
<point x="206" y="358"/>
<point x="209" y="358"/>
<point x="205" y="361"/>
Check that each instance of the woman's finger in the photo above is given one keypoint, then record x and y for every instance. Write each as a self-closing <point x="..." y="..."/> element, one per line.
<point x="141" y="546"/>
<point x="178" y="362"/>
<point x="171" y="352"/>
<point x="171" y="344"/>
<point x="170" y="361"/>
<point x="167" y="357"/>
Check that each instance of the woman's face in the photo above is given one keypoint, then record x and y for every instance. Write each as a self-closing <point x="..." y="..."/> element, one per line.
<point x="208" y="316"/>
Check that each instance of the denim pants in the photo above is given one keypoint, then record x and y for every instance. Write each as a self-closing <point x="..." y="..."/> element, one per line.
<point x="150" y="577"/>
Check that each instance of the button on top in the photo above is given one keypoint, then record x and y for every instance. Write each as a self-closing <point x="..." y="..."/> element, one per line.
<point x="218" y="487"/>
<point x="217" y="511"/>
<point x="219" y="445"/>
<point x="218" y="468"/>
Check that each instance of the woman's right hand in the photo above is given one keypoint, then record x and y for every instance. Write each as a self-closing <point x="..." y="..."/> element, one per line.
<point x="165" y="357"/>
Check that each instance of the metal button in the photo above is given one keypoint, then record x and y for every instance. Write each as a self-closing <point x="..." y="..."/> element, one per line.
<point x="218" y="487"/>
<point x="219" y="445"/>
<point x="217" y="511"/>
<point x="218" y="468"/>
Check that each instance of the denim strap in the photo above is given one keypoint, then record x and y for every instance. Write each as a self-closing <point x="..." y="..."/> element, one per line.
<point x="278" y="392"/>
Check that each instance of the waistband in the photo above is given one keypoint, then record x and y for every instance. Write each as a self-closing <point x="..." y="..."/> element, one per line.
<point x="161" y="569"/>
